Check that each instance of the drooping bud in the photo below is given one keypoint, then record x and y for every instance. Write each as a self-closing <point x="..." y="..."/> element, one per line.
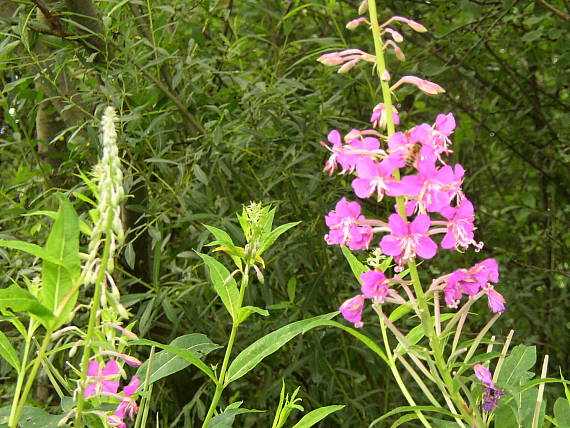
<point x="416" y="26"/>
<point x="351" y="25"/>
<point x="385" y="76"/>
<point x="398" y="38"/>
<point x="363" y="8"/>
<point x="425" y="86"/>
<point x="331" y="59"/>
<point x="347" y="66"/>
<point x="399" y="54"/>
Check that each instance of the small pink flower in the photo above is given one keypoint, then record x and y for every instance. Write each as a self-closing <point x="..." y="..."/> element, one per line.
<point x="357" y="149"/>
<point x="344" y="228"/>
<point x="351" y="310"/>
<point x="100" y="379"/>
<point x="483" y="374"/>
<point x="379" y="117"/>
<point x="374" y="285"/>
<point x="372" y="178"/>
<point x="335" y="139"/>
<point x="459" y="227"/>
<point x="409" y="239"/>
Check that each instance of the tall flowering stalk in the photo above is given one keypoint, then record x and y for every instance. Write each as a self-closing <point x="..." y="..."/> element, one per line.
<point x="411" y="166"/>
<point x="108" y="233"/>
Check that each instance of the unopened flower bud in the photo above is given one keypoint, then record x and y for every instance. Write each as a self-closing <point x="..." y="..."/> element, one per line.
<point x="363" y="7"/>
<point x="416" y="26"/>
<point x="385" y="76"/>
<point x="425" y="86"/>
<point x="331" y="59"/>
<point x="347" y="66"/>
<point x="351" y="25"/>
<point x="398" y="38"/>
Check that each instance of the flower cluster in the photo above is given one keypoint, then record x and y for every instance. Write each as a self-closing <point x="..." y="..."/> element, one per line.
<point x="103" y="383"/>
<point x="434" y="201"/>
<point x="491" y="394"/>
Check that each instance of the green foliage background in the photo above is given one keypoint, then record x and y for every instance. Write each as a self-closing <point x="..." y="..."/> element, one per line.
<point x="222" y="103"/>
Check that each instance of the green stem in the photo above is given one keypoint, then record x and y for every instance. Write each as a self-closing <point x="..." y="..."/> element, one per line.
<point x="22" y="374"/>
<point x="31" y="377"/>
<point x="92" y="321"/>
<point x="221" y="383"/>
<point x="395" y="371"/>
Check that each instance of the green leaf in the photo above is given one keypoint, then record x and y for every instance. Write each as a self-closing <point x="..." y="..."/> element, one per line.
<point x="165" y="363"/>
<point x="226" y="418"/>
<point x="562" y="411"/>
<point x="267" y="345"/>
<point x="246" y="311"/>
<point x="362" y="337"/>
<point x="8" y="352"/>
<point x="20" y="300"/>
<point x="33" y="249"/>
<point x="58" y="278"/>
<point x="317" y="415"/>
<point x="222" y="237"/>
<point x="183" y="353"/>
<point x="357" y="267"/>
<point x="226" y="289"/>
<point x="414" y="409"/>
<point x="514" y="371"/>
<point x="272" y="236"/>
<point x="32" y="417"/>
<point x="399" y="312"/>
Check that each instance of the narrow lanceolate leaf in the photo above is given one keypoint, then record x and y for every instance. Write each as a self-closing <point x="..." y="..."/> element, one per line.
<point x="272" y="236"/>
<point x="226" y="288"/>
<point x="165" y="363"/>
<point x="181" y="352"/>
<point x="58" y="279"/>
<point x="21" y="300"/>
<point x="267" y="345"/>
<point x="33" y="249"/>
<point x="357" y="267"/>
<point x="8" y="352"/>
<point x="316" y="415"/>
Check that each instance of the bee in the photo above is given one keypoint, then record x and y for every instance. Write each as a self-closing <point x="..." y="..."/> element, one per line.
<point x="413" y="155"/>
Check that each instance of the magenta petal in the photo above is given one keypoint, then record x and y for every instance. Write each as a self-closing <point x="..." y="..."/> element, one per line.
<point x="132" y="387"/>
<point x="448" y="241"/>
<point x="421" y="224"/>
<point x="396" y="140"/>
<point x="351" y="310"/>
<point x="483" y="374"/>
<point x="366" y="168"/>
<point x="496" y="301"/>
<point x="362" y="187"/>
<point x="89" y="390"/>
<point x="465" y="210"/>
<point x="110" y="386"/>
<point x="398" y="226"/>
<point x="390" y="246"/>
<point x="111" y="368"/>
<point x="410" y="185"/>
<point x="93" y="368"/>
<point x="426" y="248"/>
<point x="334" y="137"/>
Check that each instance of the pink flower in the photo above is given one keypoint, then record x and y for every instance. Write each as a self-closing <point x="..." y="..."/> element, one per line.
<point x="444" y="127"/>
<point x="100" y="378"/>
<point x="357" y="148"/>
<point x="374" y="285"/>
<point x="491" y="394"/>
<point x="459" y="227"/>
<point x="335" y="139"/>
<point x="128" y="406"/>
<point x="407" y="239"/>
<point x="483" y="374"/>
<point x="351" y="310"/>
<point x="344" y="228"/>
<point x="372" y="178"/>
<point x="380" y="118"/>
